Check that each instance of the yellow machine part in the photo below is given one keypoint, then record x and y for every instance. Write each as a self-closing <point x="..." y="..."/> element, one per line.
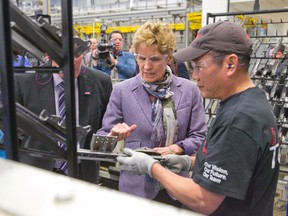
<point x="194" y="18"/>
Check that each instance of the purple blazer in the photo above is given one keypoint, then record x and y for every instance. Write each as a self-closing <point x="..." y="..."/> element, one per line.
<point x="130" y="103"/>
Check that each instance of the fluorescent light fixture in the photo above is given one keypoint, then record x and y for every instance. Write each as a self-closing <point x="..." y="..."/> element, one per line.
<point x="239" y="1"/>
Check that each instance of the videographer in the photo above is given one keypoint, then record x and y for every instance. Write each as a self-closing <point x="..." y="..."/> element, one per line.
<point x="119" y="64"/>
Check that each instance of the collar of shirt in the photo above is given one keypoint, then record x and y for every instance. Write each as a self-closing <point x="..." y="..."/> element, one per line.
<point x="119" y="53"/>
<point x="57" y="79"/>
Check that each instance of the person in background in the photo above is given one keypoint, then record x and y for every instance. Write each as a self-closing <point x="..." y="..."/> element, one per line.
<point x="42" y="91"/>
<point x="131" y="49"/>
<point x="21" y="61"/>
<point x="2" y="152"/>
<point x="179" y="69"/>
<point x="88" y="58"/>
<point x="120" y="65"/>
<point x="236" y="167"/>
<point x="155" y="110"/>
<point x="282" y="60"/>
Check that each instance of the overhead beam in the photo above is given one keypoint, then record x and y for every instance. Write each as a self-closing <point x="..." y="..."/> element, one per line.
<point x="127" y="15"/>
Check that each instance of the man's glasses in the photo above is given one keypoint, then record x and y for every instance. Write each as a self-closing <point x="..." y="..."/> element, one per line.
<point x="152" y="60"/>
<point x="201" y="65"/>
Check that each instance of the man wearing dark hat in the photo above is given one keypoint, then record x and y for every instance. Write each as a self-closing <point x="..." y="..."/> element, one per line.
<point x="236" y="168"/>
<point x="39" y="91"/>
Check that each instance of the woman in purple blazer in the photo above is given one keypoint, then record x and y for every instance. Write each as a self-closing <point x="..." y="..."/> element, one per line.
<point x="155" y="109"/>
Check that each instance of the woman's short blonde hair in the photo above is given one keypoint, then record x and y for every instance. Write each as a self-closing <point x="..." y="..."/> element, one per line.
<point x="155" y="32"/>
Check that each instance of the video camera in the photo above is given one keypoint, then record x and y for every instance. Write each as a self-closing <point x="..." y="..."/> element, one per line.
<point x="103" y="47"/>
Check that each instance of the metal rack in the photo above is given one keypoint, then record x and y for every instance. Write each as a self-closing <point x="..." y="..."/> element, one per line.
<point x="233" y="14"/>
<point x="7" y="85"/>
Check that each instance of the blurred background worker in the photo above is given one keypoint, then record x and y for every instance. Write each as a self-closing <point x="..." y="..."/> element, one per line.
<point x="179" y="69"/>
<point x="279" y="53"/>
<point x="119" y="65"/>
<point x="88" y="57"/>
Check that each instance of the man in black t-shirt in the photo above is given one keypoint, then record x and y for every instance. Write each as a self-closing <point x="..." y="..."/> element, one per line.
<point x="239" y="157"/>
<point x="236" y="168"/>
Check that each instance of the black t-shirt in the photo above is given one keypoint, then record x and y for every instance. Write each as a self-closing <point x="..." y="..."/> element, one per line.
<point x="239" y="158"/>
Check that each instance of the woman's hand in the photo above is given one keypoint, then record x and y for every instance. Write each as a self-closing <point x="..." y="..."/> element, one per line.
<point x="172" y="149"/>
<point x="122" y="130"/>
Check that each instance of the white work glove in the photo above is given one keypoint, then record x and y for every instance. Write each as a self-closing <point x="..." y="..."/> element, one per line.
<point x="136" y="162"/>
<point x="177" y="163"/>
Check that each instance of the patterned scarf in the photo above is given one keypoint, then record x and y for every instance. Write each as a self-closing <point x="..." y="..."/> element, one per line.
<point x="165" y="124"/>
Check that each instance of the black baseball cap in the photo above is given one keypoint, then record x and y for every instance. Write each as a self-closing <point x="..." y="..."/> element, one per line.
<point x="222" y="36"/>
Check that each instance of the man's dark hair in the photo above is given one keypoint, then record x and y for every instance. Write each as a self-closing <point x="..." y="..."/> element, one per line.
<point x="281" y="48"/>
<point x="113" y="32"/>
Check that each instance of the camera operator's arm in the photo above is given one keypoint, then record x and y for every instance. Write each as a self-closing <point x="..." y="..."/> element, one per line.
<point x="126" y="64"/>
<point x="113" y="60"/>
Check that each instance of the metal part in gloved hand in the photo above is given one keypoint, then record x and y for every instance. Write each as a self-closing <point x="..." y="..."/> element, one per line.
<point x="136" y="162"/>
<point x="177" y="163"/>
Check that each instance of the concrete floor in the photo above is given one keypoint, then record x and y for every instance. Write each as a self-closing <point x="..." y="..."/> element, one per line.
<point x="279" y="207"/>
<point x="279" y="204"/>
